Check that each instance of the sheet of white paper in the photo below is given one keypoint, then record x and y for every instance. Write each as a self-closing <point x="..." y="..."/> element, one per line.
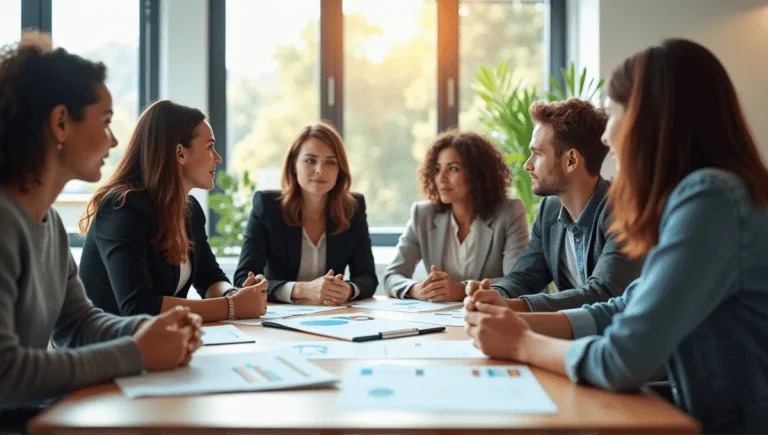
<point x="226" y="334"/>
<point x="476" y="389"/>
<point x="231" y="372"/>
<point x="249" y="322"/>
<point x="404" y="305"/>
<point x="445" y="318"/>
<point x="349" y="326"/>
<point x="281" y="311"/>
<point x="397" y="349"/>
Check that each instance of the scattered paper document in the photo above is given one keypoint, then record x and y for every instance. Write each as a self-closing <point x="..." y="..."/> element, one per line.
<point x="445" y="318"/>
<point x="405" y="305"/>
<point x="475" y="389"/>
<point x="247" y="322"/>
<point x="281" y="311"/>
<point x="226" y="334"/>
<point x="223" y="373"/>
<point x="354" y="327"/>
<point x="408" y="349"/>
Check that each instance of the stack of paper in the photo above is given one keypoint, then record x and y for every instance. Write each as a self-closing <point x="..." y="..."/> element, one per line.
<point x="226" y="334"/>
<point x="281" y="311"/>
<point x="405" y="305"/>
<point x="398" y="349"/>
<point x="225" y="373"/>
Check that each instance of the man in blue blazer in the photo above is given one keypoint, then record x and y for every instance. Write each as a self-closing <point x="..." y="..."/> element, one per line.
<point x="570" y="244"/>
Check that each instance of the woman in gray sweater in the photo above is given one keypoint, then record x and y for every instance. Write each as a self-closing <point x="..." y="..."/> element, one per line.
<point x="54" y="127"/>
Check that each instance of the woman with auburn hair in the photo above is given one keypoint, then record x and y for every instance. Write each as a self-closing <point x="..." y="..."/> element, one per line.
<point x="55" y="115"/>
<point x="146" y="242"/>
<point x="467" y="230"/>
<point x="692" y="193"/>
<point x="304" y="236"/>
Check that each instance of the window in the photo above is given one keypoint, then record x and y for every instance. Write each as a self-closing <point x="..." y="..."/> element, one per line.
<point x="491" y="31"/>
<point x="390" y="107"/>
<point x="272" y="61"/>
<point x="10" y="21"/>
<point x="112" y="38"/>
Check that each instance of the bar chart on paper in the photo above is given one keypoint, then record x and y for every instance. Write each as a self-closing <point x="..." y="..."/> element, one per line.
<point x="222" y="373"/>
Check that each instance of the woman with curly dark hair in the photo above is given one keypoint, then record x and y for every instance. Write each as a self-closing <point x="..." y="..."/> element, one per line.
<point x="467" y="230"/>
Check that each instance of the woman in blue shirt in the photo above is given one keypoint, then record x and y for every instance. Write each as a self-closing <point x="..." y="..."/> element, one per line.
<point x="691" y="193"/>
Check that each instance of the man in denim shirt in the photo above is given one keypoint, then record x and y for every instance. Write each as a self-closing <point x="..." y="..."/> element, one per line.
<point x="570" y="244"/>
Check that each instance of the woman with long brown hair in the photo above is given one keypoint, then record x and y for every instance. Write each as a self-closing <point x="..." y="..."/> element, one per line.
<point x="145" y="243"/>
<point x="691" y="193"/>
<point x="304" y="236"/>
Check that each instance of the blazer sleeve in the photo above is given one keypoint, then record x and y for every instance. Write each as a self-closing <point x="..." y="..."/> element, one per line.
<point x="121" y="236"/>
<point x="611" y="276"/>
<point x="516" y="235"/>
<point x="530" y="273"/>
<point x="207" y="270"/>
<point x="362" y="269"/>
<point x="398" y="276"/>
<point x="253" y="255"/>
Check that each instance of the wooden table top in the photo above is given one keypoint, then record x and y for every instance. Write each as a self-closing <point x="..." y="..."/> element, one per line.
<point x="104" y="409"/>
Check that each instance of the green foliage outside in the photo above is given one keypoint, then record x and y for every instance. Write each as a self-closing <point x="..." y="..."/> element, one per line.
<point x="233" y="205"/>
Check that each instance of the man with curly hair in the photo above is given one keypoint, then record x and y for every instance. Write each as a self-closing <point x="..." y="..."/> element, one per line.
<point x="570" y="242"/>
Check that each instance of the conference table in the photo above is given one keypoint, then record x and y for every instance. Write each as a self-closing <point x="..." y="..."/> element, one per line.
<point x="103" y="409"/>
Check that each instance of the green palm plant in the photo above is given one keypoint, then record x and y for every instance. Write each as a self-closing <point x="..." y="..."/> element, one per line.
<point x="506" y="116"/>
<point x="233" y="205"/>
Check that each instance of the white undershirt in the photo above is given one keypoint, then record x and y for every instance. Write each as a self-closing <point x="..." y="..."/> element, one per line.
<point x="458" y="256"/>
<point x="312" y="266"/>
<point x="185" y="271"/>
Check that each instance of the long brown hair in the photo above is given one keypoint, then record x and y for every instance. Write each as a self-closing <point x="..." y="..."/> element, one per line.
<point x="149" y="165"/>
<point x="341" y="203"/>
<point x="682" y="114"/>
<point x="488" y="174"/>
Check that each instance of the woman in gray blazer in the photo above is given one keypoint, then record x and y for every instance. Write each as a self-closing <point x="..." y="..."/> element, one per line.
<point x="467" y="230"/>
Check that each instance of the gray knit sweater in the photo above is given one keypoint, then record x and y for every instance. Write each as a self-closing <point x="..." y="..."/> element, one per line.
<point x="42" y="298"/>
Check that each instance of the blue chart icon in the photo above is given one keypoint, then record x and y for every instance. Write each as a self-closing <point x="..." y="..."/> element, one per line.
<point x="324" y="322"/>
<point x="311" y="349"/>
<point x="381" y="392"/>
<point x="405" y="303"/>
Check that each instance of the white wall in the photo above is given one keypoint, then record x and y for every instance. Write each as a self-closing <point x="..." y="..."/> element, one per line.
<point x="736" y="31"/>
<point x="184" y="58"/>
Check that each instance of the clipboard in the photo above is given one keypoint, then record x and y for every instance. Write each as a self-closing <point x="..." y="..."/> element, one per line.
<point x="354" y="327"/>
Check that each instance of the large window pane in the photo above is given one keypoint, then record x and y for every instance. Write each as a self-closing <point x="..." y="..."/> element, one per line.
<point x="10" y="21"/>
<point x="390" y="100"/>
<point x="108" y="32"/>
<point x="491" y="31"/>
<point x="272" y="59"/>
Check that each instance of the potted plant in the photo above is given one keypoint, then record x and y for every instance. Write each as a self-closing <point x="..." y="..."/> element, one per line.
<point x="233" y="205"/>
<point x="506" y="115"/>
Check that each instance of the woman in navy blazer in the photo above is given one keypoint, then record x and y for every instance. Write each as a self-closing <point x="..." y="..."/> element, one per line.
<point x="303" y="237"/>
<point x="146" y="242"/>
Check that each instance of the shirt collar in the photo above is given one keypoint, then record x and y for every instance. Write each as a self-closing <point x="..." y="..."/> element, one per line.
<point x="587" y="216"/>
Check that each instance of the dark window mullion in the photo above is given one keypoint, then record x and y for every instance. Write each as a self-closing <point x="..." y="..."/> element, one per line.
<point x="36" y="14"/>
<point x="447" y="64"/>
<point x="217" y="88"/>
<point x="332" y="63"/>
<point x="557" y="39"/>
<point x="149" y="52"/>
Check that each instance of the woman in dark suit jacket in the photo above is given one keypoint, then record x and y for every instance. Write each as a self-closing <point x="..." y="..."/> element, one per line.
<point x="304" y="237"/>
<point x="146" y="242"/>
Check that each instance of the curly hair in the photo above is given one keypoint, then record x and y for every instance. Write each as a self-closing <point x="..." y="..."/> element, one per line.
<point x="576" y="124"/>
<point x="487" y="171"/>
<point x="34" y="79"/>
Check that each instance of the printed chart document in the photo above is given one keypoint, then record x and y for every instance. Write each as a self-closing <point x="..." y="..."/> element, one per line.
<point x="282" y="311"/>
<point x="405" y="305"/>
<point x="445" y="318"/>
<point x="432" y="349"/>
<point x="476" y="389"/>
<point x="353" y="327"/>
<point x="226" y="334"/>
<point x="251" y="371"/>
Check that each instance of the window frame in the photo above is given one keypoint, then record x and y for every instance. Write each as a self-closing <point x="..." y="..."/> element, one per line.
<point x="332" y="74"/>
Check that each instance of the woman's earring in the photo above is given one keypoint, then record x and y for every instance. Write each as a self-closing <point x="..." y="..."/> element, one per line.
<point x="59" y="147"/>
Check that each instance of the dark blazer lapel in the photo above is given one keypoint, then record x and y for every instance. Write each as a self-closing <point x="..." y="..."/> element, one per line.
<point x="483" y="246"/>
<point x="293" y="236"/>
<point x="437" y="235"/>
<point x="555" y="247"/>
